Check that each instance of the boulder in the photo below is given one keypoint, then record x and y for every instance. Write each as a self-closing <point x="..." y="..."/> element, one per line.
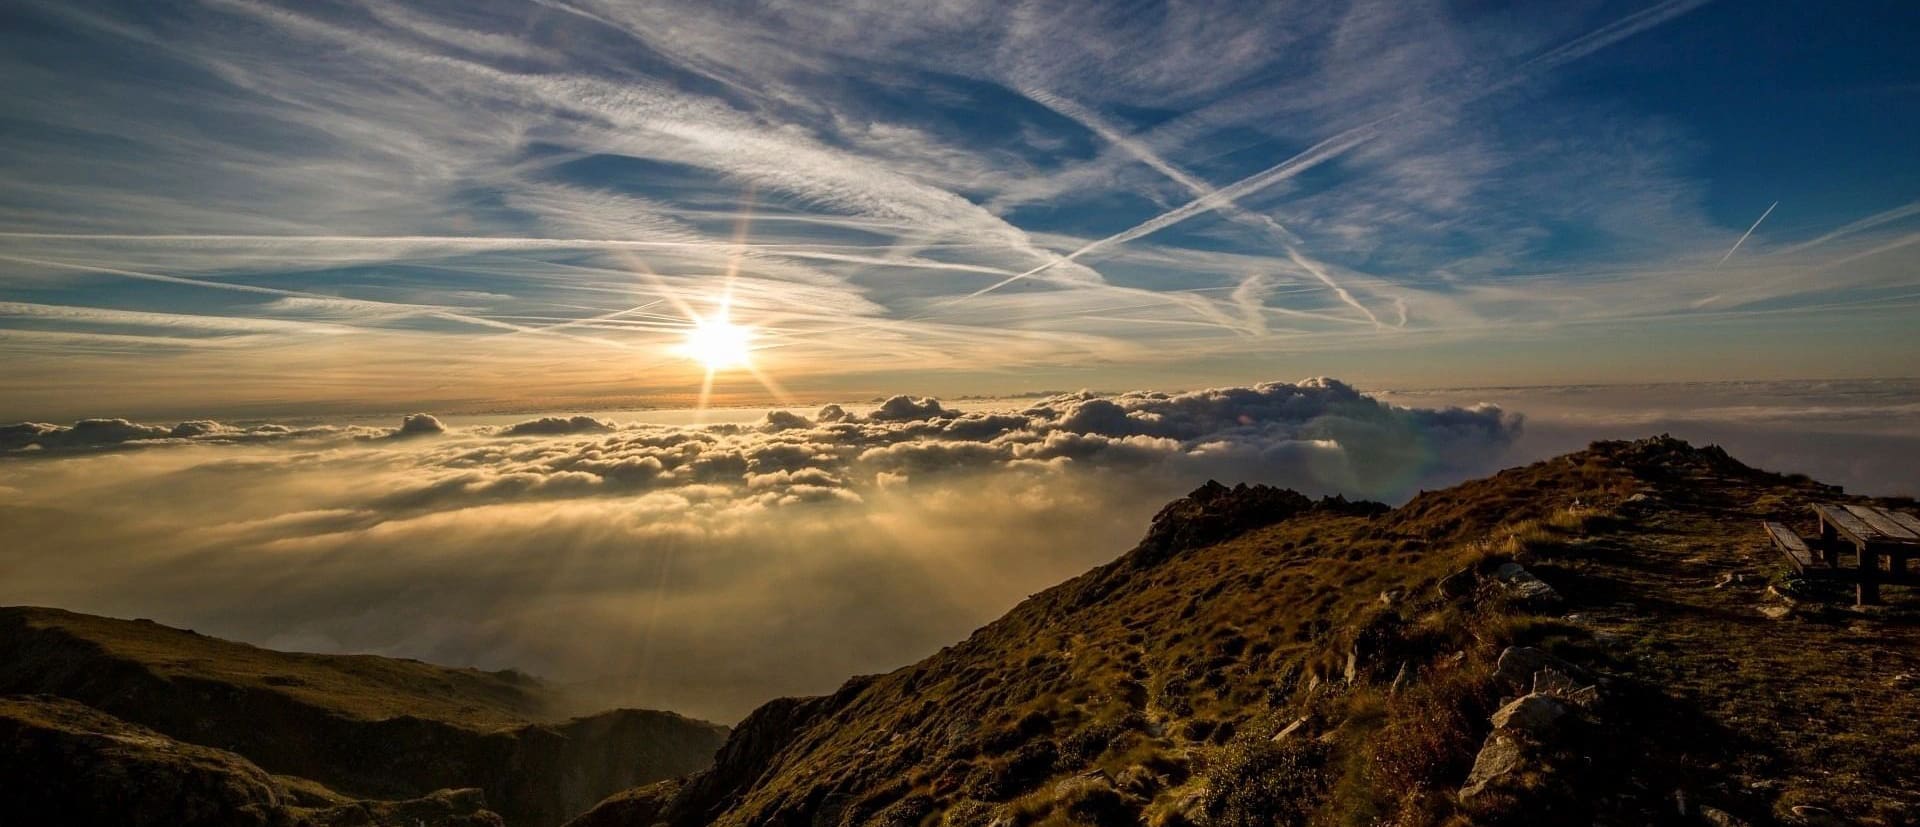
<point x="1518" y="665"/>
<point x="1536" y="715"/>
<point x="1501" y="756"/>
<point x="1523" y="586"/>
<point x="1457" y="584"/>
<point x="1716" y="817"/>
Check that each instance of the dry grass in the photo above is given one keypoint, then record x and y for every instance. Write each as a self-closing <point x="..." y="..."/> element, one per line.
<point x="1182" y="670"/>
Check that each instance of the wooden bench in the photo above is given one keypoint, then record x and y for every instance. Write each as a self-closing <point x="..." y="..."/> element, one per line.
<point x="1796" y="550"/>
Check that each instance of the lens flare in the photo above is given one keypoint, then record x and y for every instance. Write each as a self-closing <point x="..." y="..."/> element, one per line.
<point x="717" y="343"/>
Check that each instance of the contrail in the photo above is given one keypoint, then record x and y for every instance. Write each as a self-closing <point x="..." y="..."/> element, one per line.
<point x="1903" y="211"/>
<point x="1314" y="156"/>
<point x="1200" y="189"/>
<point x="1743" y="238"/>
<point x="1339" y="144"/>
<point x="411" y="309"/>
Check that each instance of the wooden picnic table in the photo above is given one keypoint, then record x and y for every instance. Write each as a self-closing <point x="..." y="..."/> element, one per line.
<point x="1884" y="543"/>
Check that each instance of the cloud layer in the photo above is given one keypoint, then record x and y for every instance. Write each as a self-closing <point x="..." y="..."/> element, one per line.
<point x="697" y="568"/>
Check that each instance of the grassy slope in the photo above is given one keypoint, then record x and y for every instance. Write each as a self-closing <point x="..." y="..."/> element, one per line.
<point x="369" y="727"/>
<point x="358" y="686"/>
<point x="1171" y="675"/>
<point x="67" y="763"/>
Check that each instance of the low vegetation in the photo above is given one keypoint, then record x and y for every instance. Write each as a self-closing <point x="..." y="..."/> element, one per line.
<point x="1341" y="663"/>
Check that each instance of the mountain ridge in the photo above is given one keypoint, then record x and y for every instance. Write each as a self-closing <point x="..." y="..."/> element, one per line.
<point x="1261" y="659"/>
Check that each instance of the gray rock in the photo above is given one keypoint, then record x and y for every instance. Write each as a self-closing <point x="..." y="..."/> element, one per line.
<point x="1457" y="584"/>
<point x="1817" y="816"/>
<point x="1536" y="715"/>
<point x="1500" y="757"/>
<point x="1140" y="781"/>
<point x="1719" y="818"/>
<point x="1290" y="729"/>
<point x="1518" y="665"/>
<point x="1400" y="679"/>
<point x="1551" y="681"/>
<point x="1522" y="585"/>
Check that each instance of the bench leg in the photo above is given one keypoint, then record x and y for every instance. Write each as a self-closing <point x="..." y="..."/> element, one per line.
<point x="1868" y="592"/>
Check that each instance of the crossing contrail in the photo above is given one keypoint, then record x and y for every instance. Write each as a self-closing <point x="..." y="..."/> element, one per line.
<point x="1743" y="238"/>
<point x="1343" y="142"/>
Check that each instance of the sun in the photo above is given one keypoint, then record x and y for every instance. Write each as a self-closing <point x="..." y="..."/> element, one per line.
<point x="717" y="342"/>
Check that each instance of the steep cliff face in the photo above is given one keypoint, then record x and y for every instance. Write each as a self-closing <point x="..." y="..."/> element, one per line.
<point x="1591" y="639"/>
<point x="366" y="726"/>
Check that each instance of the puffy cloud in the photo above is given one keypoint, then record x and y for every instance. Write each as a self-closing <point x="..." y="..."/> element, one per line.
<point x="730" y="562"/>
<point x="908" y="409"/>
<point x="87" y="433"/>
<point x="420" y="425"/>
<point x="550" y="425"/>
<point x="1321" y="435"/>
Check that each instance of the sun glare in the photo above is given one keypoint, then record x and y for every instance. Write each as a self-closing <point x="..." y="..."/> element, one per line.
<point x="717" y="343"/>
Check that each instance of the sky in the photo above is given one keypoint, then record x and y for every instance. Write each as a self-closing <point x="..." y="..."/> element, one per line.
<point x="234" y="208"/>
<point x="691" y="354"/>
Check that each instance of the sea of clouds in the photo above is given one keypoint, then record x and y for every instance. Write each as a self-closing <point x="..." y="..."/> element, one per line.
<point x="698" y="568"/>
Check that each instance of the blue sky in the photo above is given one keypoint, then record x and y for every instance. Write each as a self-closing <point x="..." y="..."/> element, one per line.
<point x="236" y="206"/>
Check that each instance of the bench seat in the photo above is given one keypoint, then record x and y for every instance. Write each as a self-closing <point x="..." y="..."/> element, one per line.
<point x="1796" y="550"/>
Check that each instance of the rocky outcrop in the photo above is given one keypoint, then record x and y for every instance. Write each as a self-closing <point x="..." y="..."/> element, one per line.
<point x="1524" y="587"/>
<point x="640" y="805"/>
<point x="1213" y="513"/>
<point x="755" y="744"/>
<point x="1533" y="734"/>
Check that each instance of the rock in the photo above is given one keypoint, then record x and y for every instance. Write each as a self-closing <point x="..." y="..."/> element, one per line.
<point x="1140" y="781"/>
<point x="1554" y="682"/>
<point x="1777" y="612"/>
<point x="1400" y="679"/>
<point x="1500" y="757"/>
<point x="1457" y="584"/>
<point x="1817" y="816"/>
<point x="1518" y="665"/>
<point x="1290" y="729"/>
<point x="1719" y="818"/>
<point x="1535" y="714"/>
<point x="1525" y="587"/>
<point x="1212" y="513"/>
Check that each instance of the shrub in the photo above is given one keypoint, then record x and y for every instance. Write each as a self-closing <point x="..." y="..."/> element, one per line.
<point x="1262" y="784"/>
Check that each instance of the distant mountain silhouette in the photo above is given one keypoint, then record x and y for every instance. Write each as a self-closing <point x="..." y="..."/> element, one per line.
<point x="344" y="727"/>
